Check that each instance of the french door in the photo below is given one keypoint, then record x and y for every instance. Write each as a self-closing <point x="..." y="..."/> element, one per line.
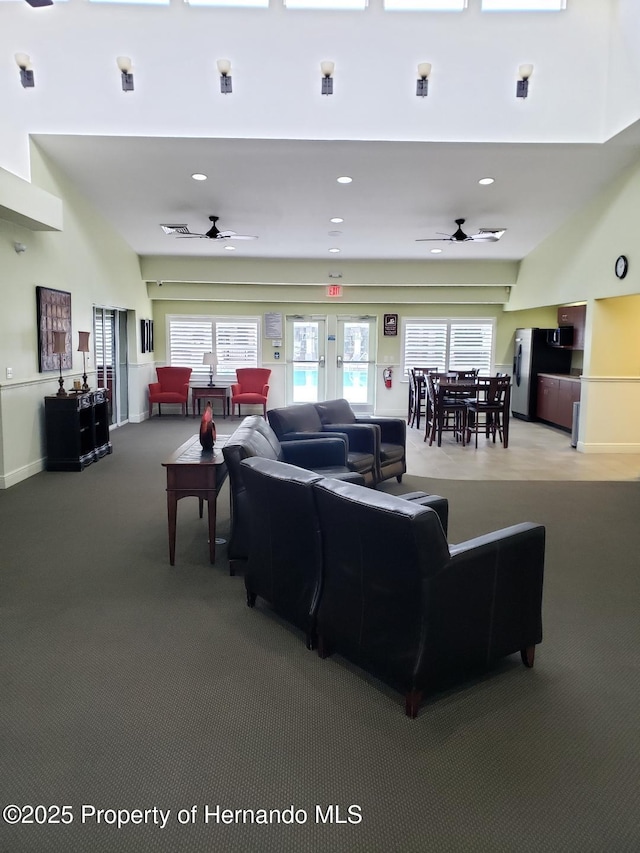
<point x="329" y="357"/>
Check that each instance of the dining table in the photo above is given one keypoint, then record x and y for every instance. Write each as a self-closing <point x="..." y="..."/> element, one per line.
<point x="462" y="389"/>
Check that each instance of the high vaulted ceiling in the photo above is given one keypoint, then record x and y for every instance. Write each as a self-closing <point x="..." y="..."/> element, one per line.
<point x="272" y="149"/>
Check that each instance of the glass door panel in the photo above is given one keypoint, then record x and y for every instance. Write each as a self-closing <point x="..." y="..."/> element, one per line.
<point x="305" y="360"/>
<point x="356" y="361"/>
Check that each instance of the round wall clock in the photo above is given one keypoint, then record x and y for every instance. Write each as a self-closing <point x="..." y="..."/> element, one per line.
<point x="622" y="266"/>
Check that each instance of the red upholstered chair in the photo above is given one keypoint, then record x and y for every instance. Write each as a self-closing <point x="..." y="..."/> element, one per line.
<point x="251" y="387"/>
<point x="172" y="387"/>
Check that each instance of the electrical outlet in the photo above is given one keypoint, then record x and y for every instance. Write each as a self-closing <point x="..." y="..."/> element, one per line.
<point x="9" y="372"/>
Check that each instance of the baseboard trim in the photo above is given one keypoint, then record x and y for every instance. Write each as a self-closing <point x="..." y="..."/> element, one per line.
<point x="595" y="447"/>
<point x="20" y="474"/>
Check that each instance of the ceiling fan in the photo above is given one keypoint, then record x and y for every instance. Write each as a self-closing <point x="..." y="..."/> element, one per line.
<point x="484" y="235"/>
<point x="37" y="3"/>
<point x="213" y="233"/>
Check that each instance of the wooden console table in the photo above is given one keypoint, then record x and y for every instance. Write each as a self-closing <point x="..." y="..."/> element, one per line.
<point x="210" y="392"/>
<point x="194" y="472"/>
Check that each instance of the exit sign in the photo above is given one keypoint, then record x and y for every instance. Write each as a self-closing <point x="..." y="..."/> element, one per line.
<point x="334" y="290"/>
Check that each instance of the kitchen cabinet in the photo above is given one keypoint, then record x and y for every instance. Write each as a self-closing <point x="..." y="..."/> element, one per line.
<point x="574" y="315"/>
<point x="556" y="396"/>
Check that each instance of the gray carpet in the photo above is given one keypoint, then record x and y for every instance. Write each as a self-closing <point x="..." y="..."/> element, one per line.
<point x="128" y="684"/>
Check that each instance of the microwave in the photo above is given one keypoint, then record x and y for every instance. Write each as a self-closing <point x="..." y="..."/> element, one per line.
<point x="560" y="337"/>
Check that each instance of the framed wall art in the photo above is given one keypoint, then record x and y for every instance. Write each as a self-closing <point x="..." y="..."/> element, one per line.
<point x="146" y="335"/>
<point x="54" y="315"/>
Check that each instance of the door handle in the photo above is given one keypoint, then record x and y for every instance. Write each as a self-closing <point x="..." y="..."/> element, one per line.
<point x="339" y="361"/>
<point x="321" y="361"/>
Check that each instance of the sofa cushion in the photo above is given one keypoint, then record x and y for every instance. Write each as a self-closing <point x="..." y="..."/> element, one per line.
<point x="336" y="412"/>
<point x="302" y="418"/>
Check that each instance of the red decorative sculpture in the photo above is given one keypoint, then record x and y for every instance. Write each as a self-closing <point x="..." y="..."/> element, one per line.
<point x="207" y="429"/>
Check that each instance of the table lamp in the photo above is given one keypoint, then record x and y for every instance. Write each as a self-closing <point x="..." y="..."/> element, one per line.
<point x="60" y="348"/>
<point x="210" y="359"/>
<point x="83" y="347"/>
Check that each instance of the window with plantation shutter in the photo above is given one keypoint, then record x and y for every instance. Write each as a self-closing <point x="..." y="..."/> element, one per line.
<point x="470" y="346"/>
<point x="425" y="344"/>
<point x="234" y="340"/>
<point x="448" y="344"/>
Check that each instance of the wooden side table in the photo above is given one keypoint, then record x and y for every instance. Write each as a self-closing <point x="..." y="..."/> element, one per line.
<point x="194" y="472"/>
<point x="210" y="392"/>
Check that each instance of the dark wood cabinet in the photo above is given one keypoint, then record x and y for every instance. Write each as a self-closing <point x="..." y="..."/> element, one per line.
<point x="574" y="315"/>
<point x="556" y="396"/>
<point x="77" y="430"/>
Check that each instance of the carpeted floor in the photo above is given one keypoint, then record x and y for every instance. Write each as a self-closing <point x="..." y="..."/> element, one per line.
<point x="128" y="684"/>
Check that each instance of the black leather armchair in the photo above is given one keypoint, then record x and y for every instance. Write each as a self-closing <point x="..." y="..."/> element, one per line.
<point x="285" y="565"/>
<point x="302" y="422"/>
<point x="254" y="437"/>
<point x="401" y="603"/>
<point x="391" y="450"/>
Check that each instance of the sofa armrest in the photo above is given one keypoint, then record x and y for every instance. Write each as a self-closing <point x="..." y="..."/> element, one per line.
<point x="363" y="438"/>
<point x="305" y="436"/>
<point x="328" y="452"/>
<point x="154" y="387"/>
<point x="509" y="562"/>
<point x="392" y="430"/>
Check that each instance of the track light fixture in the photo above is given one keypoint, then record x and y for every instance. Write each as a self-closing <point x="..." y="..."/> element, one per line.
<point x="26" y="72"/>
<point x="224" y="67"/>
<point x="124" y="64"/>
<point x="422" y="85"/>
<point x="522" y="86"/>
<point x="327" y="79"/>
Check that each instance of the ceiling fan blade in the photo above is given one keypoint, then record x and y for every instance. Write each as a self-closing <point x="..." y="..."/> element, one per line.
<point x="237" y="237"/>
<point x="190" y="235"/>
<point x="433" y="240"/>
<point x="37" y="3"/>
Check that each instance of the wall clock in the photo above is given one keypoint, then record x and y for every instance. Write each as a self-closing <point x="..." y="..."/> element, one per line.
<point x="622" y="266"/>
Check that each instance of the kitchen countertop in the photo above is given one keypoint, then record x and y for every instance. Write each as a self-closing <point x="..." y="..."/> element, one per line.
<point x="561" y="376"/>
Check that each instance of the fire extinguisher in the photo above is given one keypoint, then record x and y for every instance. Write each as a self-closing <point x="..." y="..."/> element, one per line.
<point x="387" y="375"/>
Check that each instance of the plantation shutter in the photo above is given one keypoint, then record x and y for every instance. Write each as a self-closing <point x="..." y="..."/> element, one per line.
<point x="235" y="342"/>
<point x="470" y="346"/>
<point x="425" y="345"/>
<point x="236" y="346"/>
<point x="189" y="339"/>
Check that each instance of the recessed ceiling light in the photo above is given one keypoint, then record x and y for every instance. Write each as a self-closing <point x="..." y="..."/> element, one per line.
<point x="486" y="181"/>
<point x="198" y="176"/>
<point x="334" y="233"/>
<point x="345" y="179"/>
<point x="334" y="250"/>
<point x="337" y="219"/>
<point x="230" y="248"/>
<point x="436" y="251"/>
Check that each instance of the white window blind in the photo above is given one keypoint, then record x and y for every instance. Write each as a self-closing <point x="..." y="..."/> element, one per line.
<point x="234" y="340"/>
<point x="425" y="345"/>
<point x="448" y="344"/>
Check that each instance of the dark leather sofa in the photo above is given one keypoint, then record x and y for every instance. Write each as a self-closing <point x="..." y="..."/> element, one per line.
<point x="377" y="446"/>
<point x="285" y="566"/>
<point x="401" y="603"/>
<point x="254" y="437"/>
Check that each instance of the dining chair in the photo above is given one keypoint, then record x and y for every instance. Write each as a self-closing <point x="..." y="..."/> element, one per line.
<point x="417" y="395"/>
<point x="489" y="411"/>
<point x="446" y="410"/>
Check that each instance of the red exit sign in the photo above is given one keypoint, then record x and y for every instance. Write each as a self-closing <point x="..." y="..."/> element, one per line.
<point x="334" y="290"/>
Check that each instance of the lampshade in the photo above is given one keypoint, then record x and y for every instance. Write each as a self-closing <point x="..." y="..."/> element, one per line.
<point x="83" y="341"/>
<point x="23" y="60"/>
<point x="59" y="343"/>
<point x="210" y="359"/>
<point x="424" y="69"/>
<point x="327" y="68"/>
<point x="124" y="63"/>
<point x="224" y="66"/>
<point x="525" y="71"/>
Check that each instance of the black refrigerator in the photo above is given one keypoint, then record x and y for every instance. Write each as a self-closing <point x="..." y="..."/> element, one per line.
<point x="533" y="355"/>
